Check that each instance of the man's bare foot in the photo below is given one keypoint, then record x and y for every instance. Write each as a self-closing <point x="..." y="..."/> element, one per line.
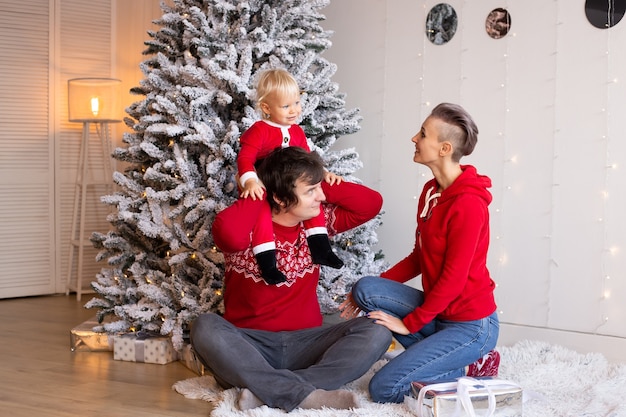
<point x="248" y="400"/>
<point x="340" y="399"/>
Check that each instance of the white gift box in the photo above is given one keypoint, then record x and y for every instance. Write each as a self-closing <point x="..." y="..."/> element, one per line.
<point x="133" y="348"/>
<point x="467" y="397"/>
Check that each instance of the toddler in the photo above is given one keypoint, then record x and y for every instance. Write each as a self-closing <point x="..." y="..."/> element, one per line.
<point x="278" y="100"/>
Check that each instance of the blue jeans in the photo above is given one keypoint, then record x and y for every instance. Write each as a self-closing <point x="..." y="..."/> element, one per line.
<point x="439" y="351"/>
<point x="283" y="368"/>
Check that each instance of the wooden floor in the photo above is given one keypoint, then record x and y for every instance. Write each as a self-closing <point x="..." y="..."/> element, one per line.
<point x="41" y="376"/>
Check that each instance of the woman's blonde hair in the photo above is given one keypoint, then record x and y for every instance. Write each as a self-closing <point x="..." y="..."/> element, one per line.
<point x="275" y="81"/>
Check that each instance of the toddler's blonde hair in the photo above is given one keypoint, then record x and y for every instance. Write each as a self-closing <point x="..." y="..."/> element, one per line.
<point x="275" y="81"/>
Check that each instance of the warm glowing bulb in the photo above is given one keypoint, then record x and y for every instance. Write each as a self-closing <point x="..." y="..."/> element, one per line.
<point x="95" y="105"/>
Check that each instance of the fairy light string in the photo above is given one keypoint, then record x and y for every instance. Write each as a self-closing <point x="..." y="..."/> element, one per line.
<point x="425" y="104"/>
<point x="554" y="263"/>
<point x="609" y="251"/>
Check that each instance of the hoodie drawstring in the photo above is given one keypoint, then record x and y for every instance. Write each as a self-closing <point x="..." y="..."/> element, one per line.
<point x="427" y="209"/>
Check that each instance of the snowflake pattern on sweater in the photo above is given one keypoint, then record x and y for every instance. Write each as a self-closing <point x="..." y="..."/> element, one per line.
<point x="292" y="258"/>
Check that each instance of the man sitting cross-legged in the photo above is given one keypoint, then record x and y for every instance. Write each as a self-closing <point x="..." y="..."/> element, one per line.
<point x="271" y="342"/>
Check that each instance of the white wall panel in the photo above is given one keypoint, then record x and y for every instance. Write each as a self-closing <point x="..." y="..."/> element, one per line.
<point x="365" y="61"/>
<point x="525" y="221"/>
<point x="612" y="277"/>
<point x="579" y="160"/>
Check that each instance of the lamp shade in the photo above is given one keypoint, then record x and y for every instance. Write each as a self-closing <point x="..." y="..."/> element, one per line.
<point x="94" y="100"/>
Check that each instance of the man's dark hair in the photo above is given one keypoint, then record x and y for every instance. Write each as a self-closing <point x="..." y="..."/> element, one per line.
<point x="280" y="170"/>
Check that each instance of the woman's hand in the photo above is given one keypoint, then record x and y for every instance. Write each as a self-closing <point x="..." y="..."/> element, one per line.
<point x="349" y="309"/>
<point x="392" y="323"/>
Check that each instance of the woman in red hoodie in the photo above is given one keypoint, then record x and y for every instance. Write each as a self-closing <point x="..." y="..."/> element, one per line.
<point x="449" y="328"/>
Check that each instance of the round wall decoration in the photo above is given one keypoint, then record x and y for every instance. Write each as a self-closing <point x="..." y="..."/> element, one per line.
<point x="441" y="23"/>
<point x="605" y="14"/>
<point x="498" y="23"/>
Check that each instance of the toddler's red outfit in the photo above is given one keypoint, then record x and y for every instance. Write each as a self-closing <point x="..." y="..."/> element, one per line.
<point x="256" y="143"/>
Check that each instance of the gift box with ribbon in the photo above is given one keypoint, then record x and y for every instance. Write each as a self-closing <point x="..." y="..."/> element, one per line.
<point x="83" y="337"/>
<point x="488" y="397"/>
<point x="190" y="359"/>
<point x="143" y="347"/>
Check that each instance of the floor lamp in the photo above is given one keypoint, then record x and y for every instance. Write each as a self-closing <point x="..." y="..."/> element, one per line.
<point x="92" y="101"/>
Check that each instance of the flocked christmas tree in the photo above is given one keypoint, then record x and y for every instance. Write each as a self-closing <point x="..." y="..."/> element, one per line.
<point x="198" y="91"/>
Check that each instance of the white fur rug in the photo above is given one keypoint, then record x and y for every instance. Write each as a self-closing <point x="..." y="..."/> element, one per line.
<point x="557" y="382"/>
